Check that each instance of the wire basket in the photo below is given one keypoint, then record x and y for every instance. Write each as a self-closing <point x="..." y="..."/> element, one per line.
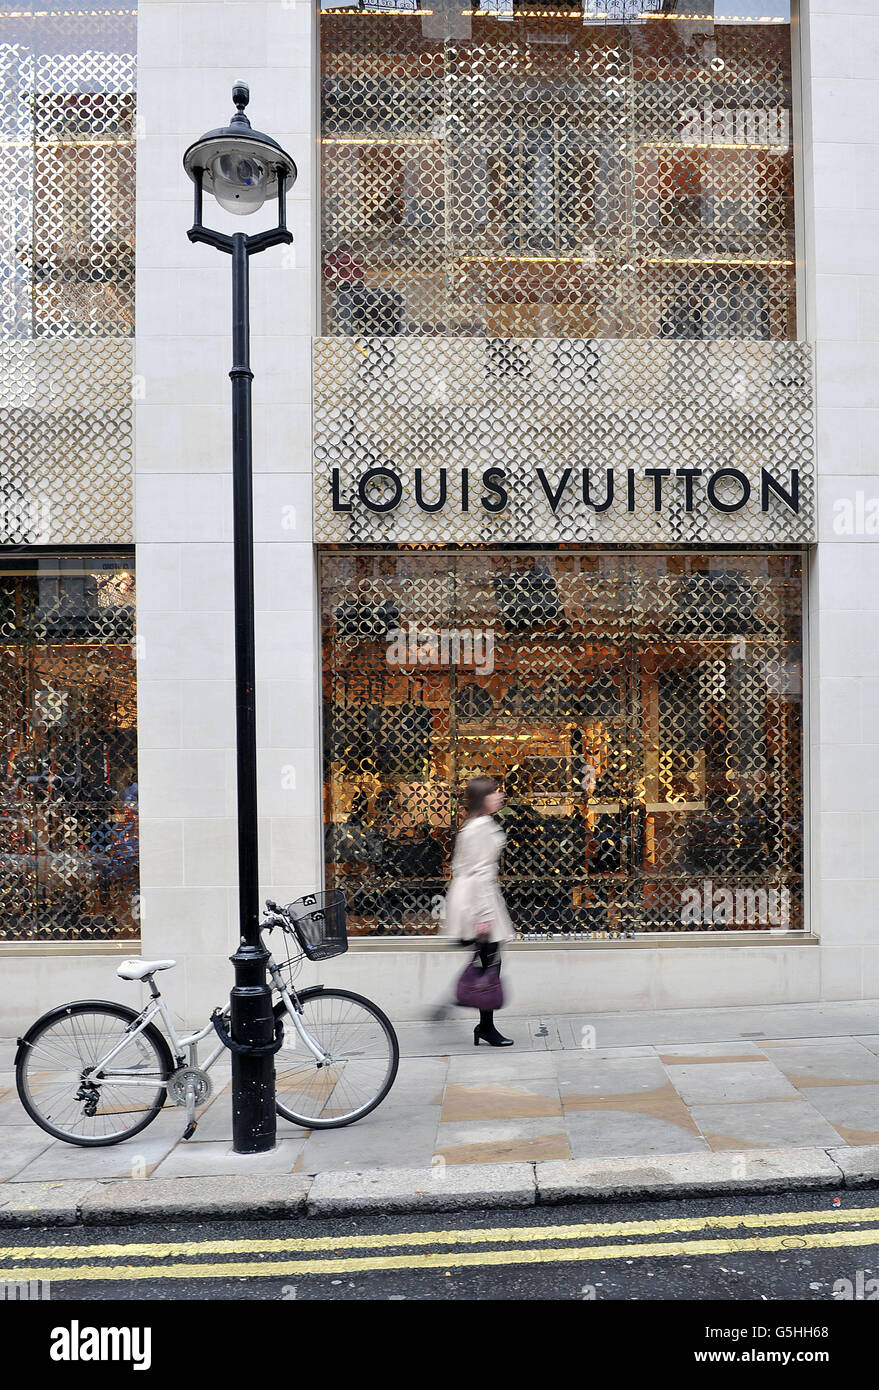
<point x="318" y="920"/>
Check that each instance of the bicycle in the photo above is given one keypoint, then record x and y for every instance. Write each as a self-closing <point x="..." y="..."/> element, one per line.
<point x="79" y="1067"/>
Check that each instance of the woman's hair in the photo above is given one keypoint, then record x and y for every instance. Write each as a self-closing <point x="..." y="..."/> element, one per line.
<point x="475" y="792"/>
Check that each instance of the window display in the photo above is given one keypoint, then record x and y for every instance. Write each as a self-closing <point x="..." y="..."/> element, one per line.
<point x="642" y="709"/>
<point x="69" y="844"/>
<point x="525" y="171"/>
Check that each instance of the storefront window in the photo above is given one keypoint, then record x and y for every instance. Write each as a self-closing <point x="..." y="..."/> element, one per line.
<point x="68" y="87"/>
<point x="571" y="170"/>
<point x="69" y="803"/>
<point x="643" y="710"/>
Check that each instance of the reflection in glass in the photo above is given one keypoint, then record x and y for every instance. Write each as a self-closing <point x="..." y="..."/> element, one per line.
<point x="527" y="171"/>
<point x="69" y="841"/>
<point x="643" y="711"/>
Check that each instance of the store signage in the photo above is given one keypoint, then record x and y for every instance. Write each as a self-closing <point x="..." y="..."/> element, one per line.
<point x="382" y="489"/>
<point x="436" y="441"/>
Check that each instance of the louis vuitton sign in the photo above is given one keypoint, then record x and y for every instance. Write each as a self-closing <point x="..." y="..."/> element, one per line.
<point x="434" y="440"/>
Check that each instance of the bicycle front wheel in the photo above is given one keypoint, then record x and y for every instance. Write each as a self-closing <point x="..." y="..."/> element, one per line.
<point x="56" y="1056"/>
<point x="362" y="1055"/>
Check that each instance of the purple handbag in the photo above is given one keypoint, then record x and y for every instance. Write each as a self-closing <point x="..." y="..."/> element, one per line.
<point x="479" y="987"/>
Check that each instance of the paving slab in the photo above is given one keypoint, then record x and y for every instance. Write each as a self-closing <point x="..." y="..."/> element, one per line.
<point x="606" y="1133"/>
<point x="661" y="1028"/>
<point x="43" y="1203"/>
<point x="502" y="1141"/>
<point x="212" y="1159"/>
<point x="832" y="1061"/>
<point x="181" y="1199"/>
<point x="133" y="1158"/>
<point x="500" y="1150"/>
<point x="502" y="1064"/>
<point x="443" y="1187"/>
<point x="730" y="1081"/>
<point x="587" y="1075"/>
<point x="488" y="1100"/>
<point x="21" y="1145"/>
<point x="692" y="1053"/>
<point x="381" y="1140"/>
<point x="768" y="1124"/>
<point x="695" y="1175"/>
<point x="12" y="1112"/>
<point x="420" y="1076"/>
<point x="852" y="1110"/>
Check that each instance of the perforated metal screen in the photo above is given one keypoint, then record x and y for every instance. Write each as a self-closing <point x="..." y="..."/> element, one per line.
<point x="514" y="171"/>
<point x="69" y="844"/>
<point x="480" y="441"/>
<point x="67" y="129"/>
<point x="644" y="712"/>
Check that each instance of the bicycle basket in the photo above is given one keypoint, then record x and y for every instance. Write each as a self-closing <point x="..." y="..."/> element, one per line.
<point x="319" y="923"/>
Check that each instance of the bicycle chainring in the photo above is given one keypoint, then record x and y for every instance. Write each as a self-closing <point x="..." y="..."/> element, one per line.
<point x="178" y="1080"/>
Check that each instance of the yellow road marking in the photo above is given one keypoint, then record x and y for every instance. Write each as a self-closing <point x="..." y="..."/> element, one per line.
<point x="435" y="1260"/>
<point x="164" y="1250"/>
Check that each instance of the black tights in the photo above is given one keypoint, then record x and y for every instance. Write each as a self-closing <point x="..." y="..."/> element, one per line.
<point x="488" y="954"/>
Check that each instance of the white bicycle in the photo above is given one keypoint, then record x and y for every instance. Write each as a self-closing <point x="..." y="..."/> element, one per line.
<point x="95" y="1072"/>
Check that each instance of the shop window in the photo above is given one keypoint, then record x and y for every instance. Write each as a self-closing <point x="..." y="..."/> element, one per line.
<point x="69" y="843"/>
<point x="540" y="171"/>
<point x="643" y="711"/>
<point x="68" y="143"/>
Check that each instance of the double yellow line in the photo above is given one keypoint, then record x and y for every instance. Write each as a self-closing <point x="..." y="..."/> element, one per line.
<point x="325" y="1255"/>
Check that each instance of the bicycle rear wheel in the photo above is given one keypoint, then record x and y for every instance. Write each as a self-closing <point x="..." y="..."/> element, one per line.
<point x="65" y="1044"/>
<point x="363" y="1059"/>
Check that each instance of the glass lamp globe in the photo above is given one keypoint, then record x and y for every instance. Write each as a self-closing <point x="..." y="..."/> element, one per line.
<point x="240" y="166"/>
<point x="239" y="182"/>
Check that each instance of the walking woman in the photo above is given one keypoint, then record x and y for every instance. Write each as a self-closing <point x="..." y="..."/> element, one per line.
<point x="475" y="910"/>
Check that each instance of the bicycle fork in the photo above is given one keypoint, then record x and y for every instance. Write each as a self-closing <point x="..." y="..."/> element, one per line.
<point x="320" y="1055"/>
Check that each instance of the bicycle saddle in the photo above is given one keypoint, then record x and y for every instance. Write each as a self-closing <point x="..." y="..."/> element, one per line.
<point x="139" y="969"/>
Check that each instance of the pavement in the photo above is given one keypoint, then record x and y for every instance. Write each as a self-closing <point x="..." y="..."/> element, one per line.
<point x="610" y="1107"/>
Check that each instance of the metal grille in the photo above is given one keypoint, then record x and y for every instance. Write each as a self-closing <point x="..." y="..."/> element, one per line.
<point x="530" y="174"/>
<point x="644" y="712"/>
<point x="585" y="412"/>
<point x="69" y="806"/>
<point x="67" y="130"/>
<point x="66" y="442"/>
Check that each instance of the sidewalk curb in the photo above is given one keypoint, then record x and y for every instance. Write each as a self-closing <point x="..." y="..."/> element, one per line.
<point x="449" y="1188"/>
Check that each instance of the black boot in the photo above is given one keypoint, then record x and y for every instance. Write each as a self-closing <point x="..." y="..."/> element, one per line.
<point x="485" y="1031"/>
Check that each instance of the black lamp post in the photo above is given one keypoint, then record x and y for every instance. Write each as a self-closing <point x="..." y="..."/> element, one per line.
<point x="242" y="167"/>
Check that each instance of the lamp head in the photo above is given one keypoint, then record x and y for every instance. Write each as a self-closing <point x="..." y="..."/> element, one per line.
<point x="239" y="165"/>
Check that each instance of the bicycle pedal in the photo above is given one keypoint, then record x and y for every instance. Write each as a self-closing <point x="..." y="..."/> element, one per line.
<point x="190" y="1129"/>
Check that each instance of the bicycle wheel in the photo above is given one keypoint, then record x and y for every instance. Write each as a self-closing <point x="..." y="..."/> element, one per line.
<point x="62" y="1046"/>
<point x="363" y="1059"/>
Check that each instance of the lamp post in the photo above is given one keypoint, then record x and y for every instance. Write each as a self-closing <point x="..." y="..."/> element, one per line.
<point x="241" y="168"/>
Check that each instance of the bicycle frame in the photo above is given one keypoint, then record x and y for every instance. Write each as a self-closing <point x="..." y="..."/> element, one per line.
<point x="129" y="1076"/>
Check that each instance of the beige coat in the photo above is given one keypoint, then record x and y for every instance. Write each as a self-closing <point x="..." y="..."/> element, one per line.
<point x="473" y="894"/>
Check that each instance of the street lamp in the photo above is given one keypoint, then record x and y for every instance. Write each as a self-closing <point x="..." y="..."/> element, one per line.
<point x="242" y="168"/>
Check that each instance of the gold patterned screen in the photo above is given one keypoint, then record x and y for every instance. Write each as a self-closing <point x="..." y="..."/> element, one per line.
<point x="67" y="132"/>
<point x="420" y="440"/>
<point x="512" y="171"/>
<point x="644" y="712"/>
<point x="68" y="794"/>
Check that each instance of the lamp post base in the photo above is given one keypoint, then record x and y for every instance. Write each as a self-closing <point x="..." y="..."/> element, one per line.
<point x="254" y="1119"/>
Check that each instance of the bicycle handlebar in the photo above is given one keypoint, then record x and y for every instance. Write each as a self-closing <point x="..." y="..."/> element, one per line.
<point x="277" y="917"/>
